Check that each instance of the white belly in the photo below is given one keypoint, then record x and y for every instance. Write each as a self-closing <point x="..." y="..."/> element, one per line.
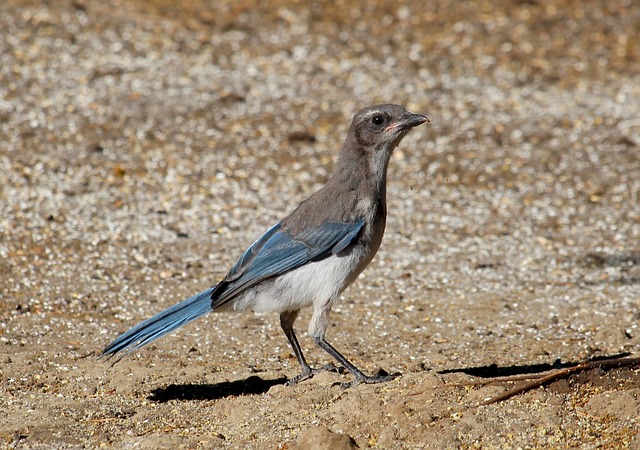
<point x="314" y="283"/>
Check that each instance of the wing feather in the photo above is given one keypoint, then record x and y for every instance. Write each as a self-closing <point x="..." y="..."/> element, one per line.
<point x="277" y="252"/>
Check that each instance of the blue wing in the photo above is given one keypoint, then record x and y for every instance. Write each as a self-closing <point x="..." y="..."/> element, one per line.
<point x="277" y="252"/>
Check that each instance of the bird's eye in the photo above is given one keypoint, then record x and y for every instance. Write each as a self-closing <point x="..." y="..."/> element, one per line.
<point x="377" y="120"/>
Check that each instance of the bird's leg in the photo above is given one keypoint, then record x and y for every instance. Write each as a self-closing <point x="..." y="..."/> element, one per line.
<point x="287" y="319"/>
<point x="317" y="328"/>
<point x="360" y="377"/>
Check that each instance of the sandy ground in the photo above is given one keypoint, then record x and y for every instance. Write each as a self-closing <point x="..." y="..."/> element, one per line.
<point x="144" y="145"/>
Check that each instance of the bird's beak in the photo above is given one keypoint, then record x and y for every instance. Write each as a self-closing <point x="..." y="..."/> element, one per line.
<point x="406" y="122"/>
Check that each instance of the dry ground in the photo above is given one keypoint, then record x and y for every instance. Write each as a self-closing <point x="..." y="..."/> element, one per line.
<point x="144" y="145"/>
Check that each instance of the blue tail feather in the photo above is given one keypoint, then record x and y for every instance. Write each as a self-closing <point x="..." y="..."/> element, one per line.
<point x="160" y="324"/>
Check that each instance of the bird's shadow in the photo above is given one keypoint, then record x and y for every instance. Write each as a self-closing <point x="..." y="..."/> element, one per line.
<point x="249" y="386"/>
<point x="494" y="371"/>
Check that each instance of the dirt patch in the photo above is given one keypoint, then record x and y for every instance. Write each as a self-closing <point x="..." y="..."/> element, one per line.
<point x="145" y="145"/>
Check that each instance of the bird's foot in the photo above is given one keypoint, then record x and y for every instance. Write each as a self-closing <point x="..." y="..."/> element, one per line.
<point x="308" y="373"/>
<point x="381" y="377"/>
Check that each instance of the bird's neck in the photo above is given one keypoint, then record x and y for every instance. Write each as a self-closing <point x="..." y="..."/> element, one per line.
<point x="363" y="170"/>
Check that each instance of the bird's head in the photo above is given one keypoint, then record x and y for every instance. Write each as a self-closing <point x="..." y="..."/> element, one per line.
<point x="382" y="127"/>
<point x="374" y="133"/>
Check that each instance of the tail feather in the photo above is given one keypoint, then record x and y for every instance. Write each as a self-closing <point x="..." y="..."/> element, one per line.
<point x="160" y="324"/>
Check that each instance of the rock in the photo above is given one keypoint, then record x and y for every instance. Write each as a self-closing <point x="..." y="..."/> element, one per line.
<point x="322" y="438"/>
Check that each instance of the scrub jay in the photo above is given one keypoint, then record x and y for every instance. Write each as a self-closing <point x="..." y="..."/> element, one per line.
<point x="310" y="257"/>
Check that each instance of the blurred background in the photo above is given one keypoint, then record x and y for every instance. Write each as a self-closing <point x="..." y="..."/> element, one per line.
<point x="145" y="144"/>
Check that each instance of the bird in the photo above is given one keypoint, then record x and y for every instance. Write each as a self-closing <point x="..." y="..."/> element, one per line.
<point x="310" y="257"/>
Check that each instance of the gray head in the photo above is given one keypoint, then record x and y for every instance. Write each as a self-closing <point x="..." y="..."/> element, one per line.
<point x="382" y="126"/>
<point x="374" y="133"/>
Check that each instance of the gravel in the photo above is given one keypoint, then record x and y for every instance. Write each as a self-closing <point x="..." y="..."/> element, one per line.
<point x="144" y="145"/>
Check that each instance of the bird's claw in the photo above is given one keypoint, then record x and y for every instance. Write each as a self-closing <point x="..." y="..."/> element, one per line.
<point x="381" y="377"/>
<point x="308" y="373"/>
